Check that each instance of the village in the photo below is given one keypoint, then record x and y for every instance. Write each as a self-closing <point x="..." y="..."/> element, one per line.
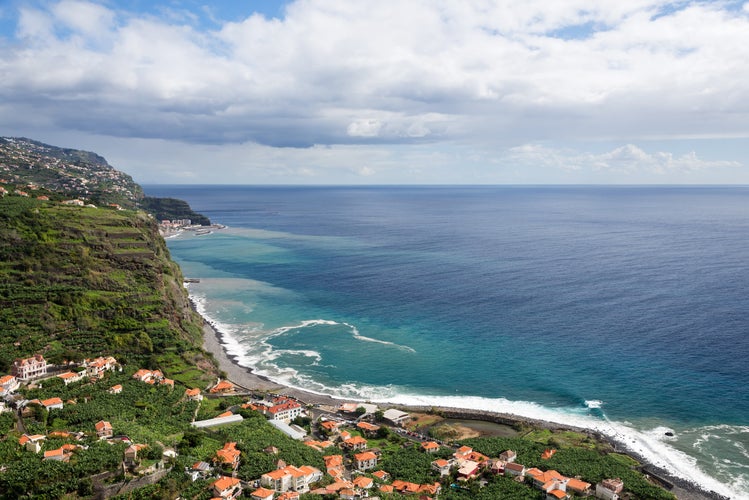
<point x="348" y="438"/>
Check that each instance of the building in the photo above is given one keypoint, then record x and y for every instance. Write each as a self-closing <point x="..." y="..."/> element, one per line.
<point x="30" y="368"/>
<point x="70" y="377"/>
<point x="32" y="443"/>
<point x="609" y="489"/>
<point x="515" y="470"/>
<point x="228" y="455"/>
<point x="365" y="461"/>
<point x="285" y="411"/>
<point x="508" y="456"/>
<point x="9" y="384"/>
<point x="441" y="466"/>
<point x="98" y="366"/>
<point x="396" y="417"/>
<point x="223" y="387"/>
<point x="369" y="430"/>
<point x="227" y="488"/>
<point x="103" y="429"/>
<point x="290" y="478"/>
<point x="193" y="394"/>
<point x="262" y="494"/>
<point x="355" y="443"/>
<point x="430" y="447"/>
<point x="115" y="389"/>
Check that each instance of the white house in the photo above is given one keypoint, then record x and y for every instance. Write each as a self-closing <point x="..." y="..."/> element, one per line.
<point x="28" y="368"/>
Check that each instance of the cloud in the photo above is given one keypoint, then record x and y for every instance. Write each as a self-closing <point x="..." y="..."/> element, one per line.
<point x="628" y="159"/>
<point x="384" y="72"/>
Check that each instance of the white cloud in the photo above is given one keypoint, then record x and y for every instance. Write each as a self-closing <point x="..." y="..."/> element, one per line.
<point x="628" y="159"/>
<point x="483" y="75"/>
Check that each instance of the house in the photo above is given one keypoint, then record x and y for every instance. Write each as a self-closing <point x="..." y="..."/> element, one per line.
<point x="609" y="489"/>
<point x="334" y="465"/>
<point x="329" y="426"/>
<point x="227" y="488"/>
<point x="115" y="389"/>
<point x="103" y="429"/>
<point x="61" y="454"/>
<point x="541" y="478"/>
<point x="228" y="455"/>
<point x="405" y="487"/>
<point x="381" y="475"/>
<point x="355" y="443"/>
<point x="290" y="478"/>
<point x="131" y="453"/>
<point x="58" y="454"/>
<point x="285" y="411"/>
<point x="369" y="430"/>
<point x="29" y="368"/>
<point x="262" y="494"/>
<point x="70" y="377"/>
<point x="441" y="466"/>
<point x="514" y="470"/>
<point x="96" y="368"/>
<point x="193" y="394"/>
<point x="365" y="461"/>
<point x="32" y="442"/>
<point x="396" y="417"/>
<point x="289" y="495"/>
<point x="223" y="387"/>
<point x="199" y="470"/>
<point x="508" y="456"/>
<point x="430" y="447"/>
<point x="167" y="382"/>
<point x="9" y="384"/>
<point x="144" y="375"/>
<point x="363" y="482"/>
<point x="468" y="469"/>
<point x="578" y="487"/>
<point x="49" y="404"/>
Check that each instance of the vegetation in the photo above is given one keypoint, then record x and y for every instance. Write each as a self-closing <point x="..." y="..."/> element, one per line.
<point x="171" y="208"/>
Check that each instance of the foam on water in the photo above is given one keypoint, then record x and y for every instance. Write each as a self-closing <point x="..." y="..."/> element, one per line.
<point x="652" y="444"/>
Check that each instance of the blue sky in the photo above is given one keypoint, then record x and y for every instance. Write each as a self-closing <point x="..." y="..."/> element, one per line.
<point x="385" y="92"/>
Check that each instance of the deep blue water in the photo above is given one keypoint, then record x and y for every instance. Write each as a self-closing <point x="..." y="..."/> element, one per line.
<point x="633" y="299"/>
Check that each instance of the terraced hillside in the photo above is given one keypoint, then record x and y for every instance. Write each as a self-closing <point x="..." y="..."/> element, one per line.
<point x="77" y="282"/>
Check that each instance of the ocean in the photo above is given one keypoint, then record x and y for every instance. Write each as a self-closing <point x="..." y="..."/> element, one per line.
<point x="623" y="309"/>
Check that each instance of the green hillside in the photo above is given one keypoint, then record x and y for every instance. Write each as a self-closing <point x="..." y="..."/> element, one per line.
<point x="77" y="282"/>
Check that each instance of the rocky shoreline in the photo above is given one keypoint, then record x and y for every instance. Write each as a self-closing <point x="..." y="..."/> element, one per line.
<point x="245" y="378"/>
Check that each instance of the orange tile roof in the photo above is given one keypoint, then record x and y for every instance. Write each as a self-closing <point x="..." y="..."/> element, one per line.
<point x="441" y="462"/>
<point x="381" y="474"/>
<point x="224" y="483"/>
<point x="386" y="488"/>
<point x="224" y="385"/>
<point x="430" y="445"/>
<point x="289" y="405"/>
<point x="192" y="392"/>
<point x="548" y="453"/>
<point x="276" y="474"/>
<point x="333" y="460"/>
<point x="577" y="484"/>
<point x="363" y="482"/>
<point x="366" y="426"/>
<point x="52" y="401"/>
<point x="367" y="455"/>
<point x="263" y="493"/>
<point x="102" y="424"/>
<point x="329" y="425"/>
<point x="356" y="440"/>
<point x="557" y="493"/>
<point x="67" y="375"/>
<point x="54" y="453"/>
<point x="225" y="414"/>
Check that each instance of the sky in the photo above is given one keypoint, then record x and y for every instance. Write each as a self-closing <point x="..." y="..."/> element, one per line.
<point x="385" y="91"/>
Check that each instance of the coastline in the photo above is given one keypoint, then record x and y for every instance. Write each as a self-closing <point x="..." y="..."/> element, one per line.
<point x="246" y="379"/>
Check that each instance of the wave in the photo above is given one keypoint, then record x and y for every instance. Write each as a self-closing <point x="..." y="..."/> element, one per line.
<point x="652" y="444"/>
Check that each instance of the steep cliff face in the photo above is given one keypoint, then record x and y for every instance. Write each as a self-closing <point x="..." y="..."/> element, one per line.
<point x="78" y="281"/>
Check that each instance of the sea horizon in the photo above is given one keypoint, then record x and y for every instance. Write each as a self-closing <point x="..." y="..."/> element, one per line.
<point x="304" y="276"/>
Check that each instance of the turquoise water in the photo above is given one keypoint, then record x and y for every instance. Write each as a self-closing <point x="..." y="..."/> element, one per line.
<point x="622" y="309"/>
